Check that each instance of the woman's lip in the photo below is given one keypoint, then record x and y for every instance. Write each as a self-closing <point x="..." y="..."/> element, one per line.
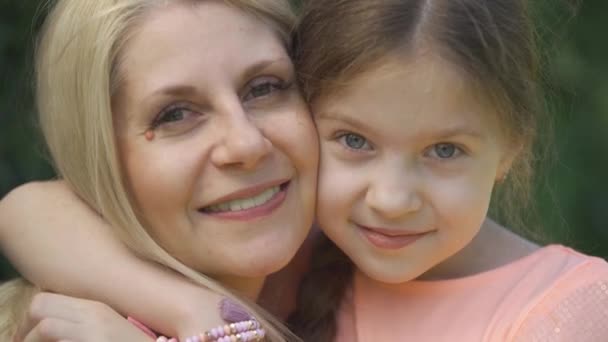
<point x="256" y="212"/>
<point x="247" y="192"/>
<point x="390" y="238"/>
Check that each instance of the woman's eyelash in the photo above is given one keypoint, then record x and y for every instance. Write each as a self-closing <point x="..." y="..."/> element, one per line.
<point x="259" y="89"/>
<point x="266" y="87"/>
<point x="164" y="116"/>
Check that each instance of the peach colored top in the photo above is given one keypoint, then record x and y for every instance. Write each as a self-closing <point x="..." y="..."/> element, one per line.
<point x="554" y="294"/>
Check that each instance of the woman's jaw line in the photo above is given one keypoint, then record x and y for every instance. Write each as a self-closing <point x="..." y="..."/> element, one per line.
<point x="249" y="287"/>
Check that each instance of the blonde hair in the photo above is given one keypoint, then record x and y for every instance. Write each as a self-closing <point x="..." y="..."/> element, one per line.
<point x="15" y="297"/>
<point x="78" y="73"/>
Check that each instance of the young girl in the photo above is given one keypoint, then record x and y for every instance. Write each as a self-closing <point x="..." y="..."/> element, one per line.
<point x="425" y="110"/>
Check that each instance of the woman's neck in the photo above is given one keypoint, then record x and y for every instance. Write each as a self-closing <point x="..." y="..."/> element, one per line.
<point x="247" y="287"/>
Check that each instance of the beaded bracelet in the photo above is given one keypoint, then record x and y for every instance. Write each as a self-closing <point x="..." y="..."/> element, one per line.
<point x="249" y="330"/>
<point x="243" y="331"/>
<point x="244" y="328"/>
<point x="164" y="339"/>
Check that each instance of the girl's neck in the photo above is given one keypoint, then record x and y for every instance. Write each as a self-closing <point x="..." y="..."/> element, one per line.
<point x="281" y="288"/>
<point x="494" y="246"/>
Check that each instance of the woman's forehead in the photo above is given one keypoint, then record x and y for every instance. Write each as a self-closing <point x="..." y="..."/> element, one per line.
<point x="196" y="45"/>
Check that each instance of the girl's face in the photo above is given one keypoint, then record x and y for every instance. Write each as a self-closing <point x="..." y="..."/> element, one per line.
<point x="217" y="145"/>
<point x="409" y="157"/>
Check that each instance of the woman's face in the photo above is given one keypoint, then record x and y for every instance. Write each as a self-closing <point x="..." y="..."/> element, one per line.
<point x="217" y="145"/>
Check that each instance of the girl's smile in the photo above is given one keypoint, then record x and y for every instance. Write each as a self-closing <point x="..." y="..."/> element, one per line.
<point x="409" y="157"/>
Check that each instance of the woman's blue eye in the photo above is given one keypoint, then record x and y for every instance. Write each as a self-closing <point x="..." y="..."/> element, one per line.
<point x="261" y="90"/>
<point x="172" y="115"/>
<point x="355" y="141"/>
<point x="445" y="150"/>
<point x="265" y="87"/>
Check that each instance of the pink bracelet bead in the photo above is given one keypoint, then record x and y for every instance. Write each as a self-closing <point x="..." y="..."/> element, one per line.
<point x="242" y="331"/>
<point x="165" y="339"/>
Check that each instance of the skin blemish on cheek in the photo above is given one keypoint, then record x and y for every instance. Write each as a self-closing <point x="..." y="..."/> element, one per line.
<point x="149" y="135"/>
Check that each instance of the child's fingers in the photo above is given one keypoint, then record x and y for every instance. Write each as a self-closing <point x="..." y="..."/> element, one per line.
<point x="52" y="330"/>
<point x="25" y="326"/>
<point x="45" y="305"/>
<point x="49" y="315"/>
<point x="58" y="318"/>
<point x="63" y="307"/>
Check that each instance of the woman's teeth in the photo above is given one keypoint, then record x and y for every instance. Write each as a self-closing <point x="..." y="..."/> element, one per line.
<point x="245" y="203"/>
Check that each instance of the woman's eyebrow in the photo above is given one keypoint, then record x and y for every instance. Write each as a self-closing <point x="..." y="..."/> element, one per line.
<point x="175" y="90"/>
<point x="186" y="90"/>
<point x="262" y="65"/>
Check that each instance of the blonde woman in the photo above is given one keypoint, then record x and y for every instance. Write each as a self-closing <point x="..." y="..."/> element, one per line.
<point x="178" y="123"/>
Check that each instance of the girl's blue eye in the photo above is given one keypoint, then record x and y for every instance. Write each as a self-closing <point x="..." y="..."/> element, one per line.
<point x="445" y="150"/>
<point x="355" y="141"/>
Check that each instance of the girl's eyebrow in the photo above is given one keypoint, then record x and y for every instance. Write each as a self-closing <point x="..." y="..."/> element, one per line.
<point x="337" y="116"/>
<point x="460" y="130"/>
<point x="456" y="130"/>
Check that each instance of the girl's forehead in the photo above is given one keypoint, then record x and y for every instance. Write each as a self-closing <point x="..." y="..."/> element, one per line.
<point x="412" y="96"/>
<point x="399" y="81"/>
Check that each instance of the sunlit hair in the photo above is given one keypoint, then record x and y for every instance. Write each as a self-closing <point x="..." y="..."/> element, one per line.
<point x="491" y="43"/>
<point x="15" y="297"/>
<point x="78" y="74"/>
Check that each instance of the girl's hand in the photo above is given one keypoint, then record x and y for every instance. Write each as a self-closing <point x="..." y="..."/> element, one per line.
<point x="53" y="318"/>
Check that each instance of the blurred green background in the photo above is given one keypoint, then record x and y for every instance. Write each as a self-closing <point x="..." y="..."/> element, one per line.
<point x="573" y="201"/>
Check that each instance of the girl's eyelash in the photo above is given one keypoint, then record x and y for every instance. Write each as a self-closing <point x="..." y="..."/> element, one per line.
<point x="342" y="135"/>
<point x="459" y="151"/>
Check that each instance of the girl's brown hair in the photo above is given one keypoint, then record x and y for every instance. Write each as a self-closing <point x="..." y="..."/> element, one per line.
<point x="491" y="42"/>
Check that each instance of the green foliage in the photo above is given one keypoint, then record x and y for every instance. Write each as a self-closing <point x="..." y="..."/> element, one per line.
<point x="573" y="198"/>
<point x="21" y="156"/>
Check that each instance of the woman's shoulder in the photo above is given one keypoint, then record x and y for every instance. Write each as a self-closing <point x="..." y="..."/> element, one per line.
<point x="571" y="302"/>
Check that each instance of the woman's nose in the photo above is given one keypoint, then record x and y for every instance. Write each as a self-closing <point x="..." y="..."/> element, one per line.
<point x="243" y="144"/>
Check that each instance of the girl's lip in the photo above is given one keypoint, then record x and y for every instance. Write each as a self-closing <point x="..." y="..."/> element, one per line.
<point x="393" y="232"/>
<point x="256" y="212"/>
<point x="390" y="238"/>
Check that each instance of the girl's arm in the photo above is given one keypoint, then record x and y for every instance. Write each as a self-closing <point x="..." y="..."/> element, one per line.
<point x="61" y="245"/>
